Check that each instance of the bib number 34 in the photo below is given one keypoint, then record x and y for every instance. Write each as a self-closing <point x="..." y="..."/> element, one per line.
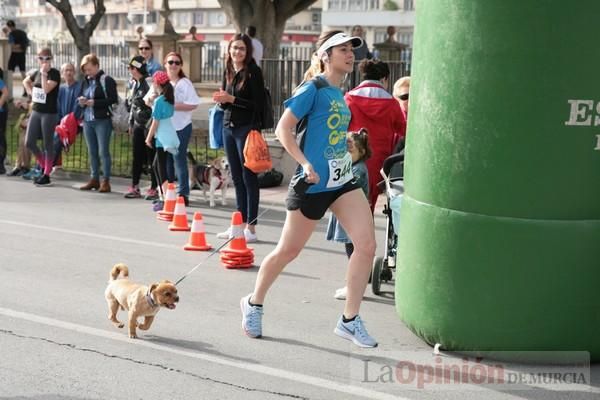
<point x="340" y="171"/>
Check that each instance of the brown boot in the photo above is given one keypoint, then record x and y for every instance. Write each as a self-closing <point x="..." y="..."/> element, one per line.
<point x="92" y="184"/>
<point x="104" y="186"/>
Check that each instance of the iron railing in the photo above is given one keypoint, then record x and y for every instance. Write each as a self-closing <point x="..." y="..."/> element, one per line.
<point x="281" y="77"/>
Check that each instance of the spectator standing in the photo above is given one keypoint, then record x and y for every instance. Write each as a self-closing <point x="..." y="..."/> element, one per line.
<point x="375" y="109"/>
<point x="146" y="50"/>
<point x="98" y="93"/>
<point x="68" y="92"/>
<point x="362" y="52"/>
<point x="242" y="97"/>
<point x="139" y="117"/>
<point x="400" y="92"/>
<point x="23" y="161"/>
<point x="257" y="46"/>
<point x="42" y="85"/>
<point x="162" y="134"/>
<point x="3" y="121"/>
<point x="19" y="42"/>
<point x="323" y="180"/>
<point x="186" y="101"/>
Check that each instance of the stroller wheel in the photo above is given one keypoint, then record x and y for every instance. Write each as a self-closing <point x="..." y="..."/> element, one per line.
<point x="376" y="275"/>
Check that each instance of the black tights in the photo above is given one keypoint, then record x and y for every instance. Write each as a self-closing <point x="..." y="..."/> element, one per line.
<point x="349" y="249"/>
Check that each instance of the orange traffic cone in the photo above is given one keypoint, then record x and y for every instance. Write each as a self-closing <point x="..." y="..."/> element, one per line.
<point x="238" y="243"/>
<point x="180" y="222"/>
<point x="169" y="206"/>
<point x="197" y="237"/>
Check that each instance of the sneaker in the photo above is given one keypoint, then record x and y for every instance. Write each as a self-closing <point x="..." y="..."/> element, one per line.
<point x="251" y="318"/>
<point x="186" y="200"/>
<point x="250" y="237"/>
<point x="151" y="194"/>
<point x="355" y="331"/>
<point x="341" y="293"/>
<point x="225" y="235"/>
<point x="32" y="174"/>
<point x="17" y="171"/>
<point x="133" y="193"/>
<point x="43" y="180"/>
<point x="158" y="206"/>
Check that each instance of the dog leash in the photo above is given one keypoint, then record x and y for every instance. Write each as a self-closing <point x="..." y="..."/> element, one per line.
<point x="212" y="253"/>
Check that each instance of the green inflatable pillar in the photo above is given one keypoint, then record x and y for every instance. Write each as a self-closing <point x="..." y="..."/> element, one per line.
<point x="499" y="242"/>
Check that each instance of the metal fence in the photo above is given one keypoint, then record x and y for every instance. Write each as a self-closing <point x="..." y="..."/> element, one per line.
<point x="281" y="77"/>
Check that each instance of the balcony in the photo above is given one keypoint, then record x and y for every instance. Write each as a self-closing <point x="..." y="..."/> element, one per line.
<point x="335" y="18"/>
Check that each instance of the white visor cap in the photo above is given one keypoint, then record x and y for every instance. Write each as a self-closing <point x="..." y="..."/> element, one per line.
<point x="336" y="40"/>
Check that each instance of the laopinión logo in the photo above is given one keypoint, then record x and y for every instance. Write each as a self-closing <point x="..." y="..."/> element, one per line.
<point x="469" y="371"/>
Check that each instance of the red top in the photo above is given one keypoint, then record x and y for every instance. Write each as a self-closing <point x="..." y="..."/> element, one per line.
<point x="374" y="108"/>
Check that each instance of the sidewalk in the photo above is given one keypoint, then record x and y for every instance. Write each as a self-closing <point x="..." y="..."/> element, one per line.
<point x="269" y="197"/>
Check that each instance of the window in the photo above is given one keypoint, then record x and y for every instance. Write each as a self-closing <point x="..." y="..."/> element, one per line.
<point x="216" y="18"/>
<point x="199" y="18"/>
<point x="114" y="22"/>
<point x="409" y="5"/>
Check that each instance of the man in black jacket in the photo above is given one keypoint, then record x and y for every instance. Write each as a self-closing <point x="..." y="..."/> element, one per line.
<point x="19" y="42"/>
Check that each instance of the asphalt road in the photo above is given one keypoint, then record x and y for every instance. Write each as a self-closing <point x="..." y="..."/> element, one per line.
<point x="57" y="246"/>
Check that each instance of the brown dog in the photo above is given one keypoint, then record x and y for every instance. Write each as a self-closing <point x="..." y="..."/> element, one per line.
<point x="138" y="300"/>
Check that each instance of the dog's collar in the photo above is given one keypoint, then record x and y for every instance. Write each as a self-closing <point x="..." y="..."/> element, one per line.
<point x="150" y="300"/>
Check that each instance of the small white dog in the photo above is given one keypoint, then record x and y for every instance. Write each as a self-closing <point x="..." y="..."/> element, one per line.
<point x="211" y="177"/>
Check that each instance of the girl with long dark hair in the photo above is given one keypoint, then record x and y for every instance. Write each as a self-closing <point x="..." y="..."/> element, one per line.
<point x="242" y="95"/>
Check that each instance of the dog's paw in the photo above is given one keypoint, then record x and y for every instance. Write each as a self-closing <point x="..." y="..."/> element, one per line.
<point x="132" y="336"/>
<point x="121" y="325"/>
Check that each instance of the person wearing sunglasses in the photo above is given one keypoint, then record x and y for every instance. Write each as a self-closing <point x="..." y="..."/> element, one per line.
<point x="186" y="101"/>
<point x="146" y="50"/>
<point x="42" y="85"/>
<point x="401" y="89"/>
<point x="139" y="119"/>
<point x="375" y="109"/>
<point x="241" y="96"/>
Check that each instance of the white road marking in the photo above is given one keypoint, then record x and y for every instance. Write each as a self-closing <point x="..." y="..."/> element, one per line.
<point x="255" y="368"/>
<point x="92" y="235"/>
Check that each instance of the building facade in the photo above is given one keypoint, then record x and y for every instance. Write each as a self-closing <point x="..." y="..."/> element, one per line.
<point x="124" y="17"/>
<point x="374" y="16"/>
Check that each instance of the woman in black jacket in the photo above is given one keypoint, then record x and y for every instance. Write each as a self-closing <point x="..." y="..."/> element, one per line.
<point x="242" y="97"/>
<point x="98" y="94"/>
<point x="139" y="117"/>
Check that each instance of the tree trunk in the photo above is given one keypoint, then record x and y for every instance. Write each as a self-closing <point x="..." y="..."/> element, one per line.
<point x="81" y="35"/>
<point x="268" y="16"/>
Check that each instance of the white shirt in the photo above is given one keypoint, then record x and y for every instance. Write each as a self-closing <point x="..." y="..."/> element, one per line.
<point x="184" y="93"/>
<point x="257" y="50"/>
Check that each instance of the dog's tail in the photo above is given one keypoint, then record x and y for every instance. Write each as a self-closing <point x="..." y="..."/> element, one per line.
<point x="119" y="269"/>
<point x="190" y="157"/>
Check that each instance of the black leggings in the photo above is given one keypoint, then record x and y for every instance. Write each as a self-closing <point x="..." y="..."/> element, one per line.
<point x="349" y="249"/>
<point x="3" y="148"/>
<point x="160" y="166"/>
<point x="142" y="155"/>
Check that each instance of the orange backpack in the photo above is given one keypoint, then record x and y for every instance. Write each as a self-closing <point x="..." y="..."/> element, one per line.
<point x="256" y="153"/>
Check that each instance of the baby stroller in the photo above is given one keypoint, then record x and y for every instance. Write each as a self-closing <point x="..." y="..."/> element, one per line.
<point x="393" y="187"/>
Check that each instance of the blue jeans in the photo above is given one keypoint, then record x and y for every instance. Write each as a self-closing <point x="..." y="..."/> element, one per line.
<point x="97" y="136"/>
<point x="247" y="192"/>
<point x="180" y="161"/>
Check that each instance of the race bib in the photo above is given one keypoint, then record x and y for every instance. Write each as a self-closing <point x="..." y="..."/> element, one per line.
<point x="38" y="95"/>
<point x="340" y="171"/>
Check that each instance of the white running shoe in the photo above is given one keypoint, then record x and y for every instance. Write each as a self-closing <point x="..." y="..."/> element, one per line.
<point x="250" y="237"/>
<point x="225" y="235"/>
